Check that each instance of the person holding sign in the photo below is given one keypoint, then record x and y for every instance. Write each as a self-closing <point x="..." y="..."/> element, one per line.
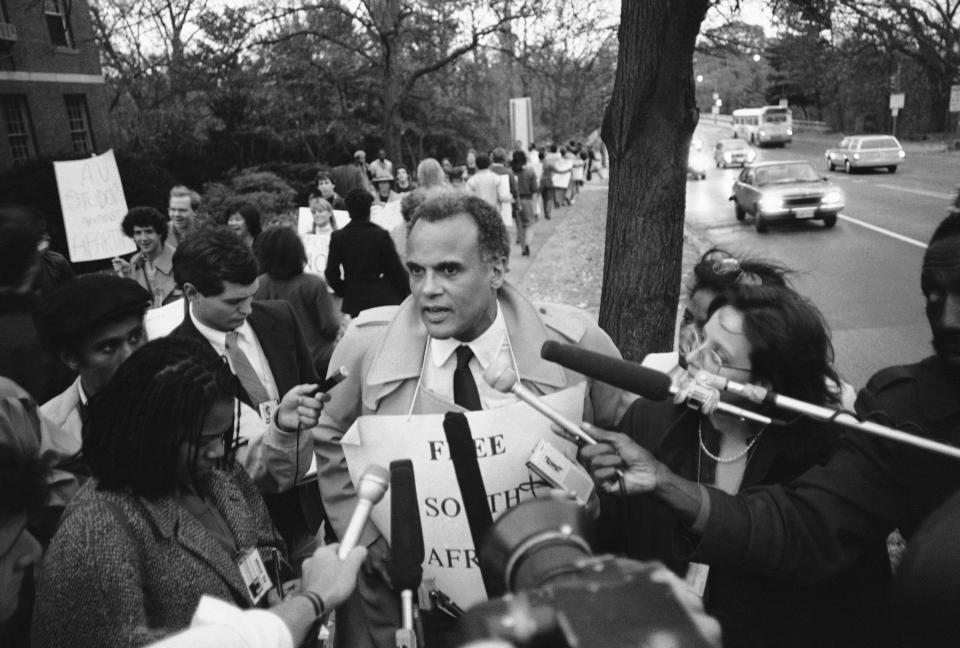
<point x="152" y="265"/>
<point x="461" y="317"/>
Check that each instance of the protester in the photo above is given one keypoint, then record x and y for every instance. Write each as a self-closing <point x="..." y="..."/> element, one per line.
<point x="768" y="336"/>
<point x="527" y="192"/>
<point x="824" y="522"/>
<point x="431" y="173"/>
<point x="244" y="220"/>
<point x="381" y="166"/>
<point x="508" y="208"/>
<point x="404" y="183"/>
<point x="23" y="493"/>
<point x="470" y="165"/>
<point x="182" y="209"/>
<point x="282" y="260"/>
<point x="265" y="348"/>
<point x="547" y="188"/>
<point x="345" y="176"/>
<point x="324" y="222"/>
<point x="152" y="265"/>
<point x="92" y="324"/>
<point x="363" y="267"/>
<point x="325" y="190"/>
<point x="360" y="161"/>
<point x="22" y="358"/>
<point x="174" y="516"/>
<point x="487" y="185"/>
<point x="53" y="269"/>
<point x="457" y="254"/>
<point x="384" y="193"/>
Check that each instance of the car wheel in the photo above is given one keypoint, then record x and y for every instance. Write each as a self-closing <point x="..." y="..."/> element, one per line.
<point x="892" y="168"/>
<point x="761" y="225"/>
<point x="738" y="210"/>
<point x="830" y="220"/>
<point x="847" y="167"/>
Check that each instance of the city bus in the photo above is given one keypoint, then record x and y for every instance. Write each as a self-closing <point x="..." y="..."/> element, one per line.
<point x="762" y="126"/>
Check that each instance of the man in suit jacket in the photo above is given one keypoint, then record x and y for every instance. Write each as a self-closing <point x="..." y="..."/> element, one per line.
<point x="402" y="359"/>
<point x="266" y="350"/>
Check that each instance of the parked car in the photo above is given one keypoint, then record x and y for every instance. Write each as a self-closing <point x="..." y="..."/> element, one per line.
<point x="866" y="151"/>
<point x="697" y="160"/>
<point x="785" y="191"/>
<point x="733" y="152"/>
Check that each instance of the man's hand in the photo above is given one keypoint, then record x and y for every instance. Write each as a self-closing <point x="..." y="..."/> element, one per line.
<point x="618" y="451"/>
<point x="121" y="267"/>
<point x="300" y="408"/>
<point x="333" y="579"/>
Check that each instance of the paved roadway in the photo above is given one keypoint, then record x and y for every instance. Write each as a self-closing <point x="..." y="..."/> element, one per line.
<point x="864" y="274"/>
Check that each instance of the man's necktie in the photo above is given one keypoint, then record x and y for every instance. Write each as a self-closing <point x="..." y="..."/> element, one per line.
<point x="465" y="392"/>
<point x="249" y="379"/>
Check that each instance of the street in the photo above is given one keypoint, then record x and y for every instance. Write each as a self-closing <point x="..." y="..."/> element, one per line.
<point x="863" y="274"/>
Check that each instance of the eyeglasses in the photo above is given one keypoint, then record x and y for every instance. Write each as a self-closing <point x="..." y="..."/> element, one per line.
<point x="695" y="353"/>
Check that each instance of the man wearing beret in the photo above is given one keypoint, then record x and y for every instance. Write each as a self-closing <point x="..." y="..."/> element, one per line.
<point x="92" y="324"/>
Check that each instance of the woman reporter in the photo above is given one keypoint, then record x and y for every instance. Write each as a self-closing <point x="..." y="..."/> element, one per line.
<point x="167" y="516"/>
<point x="773" y="337"/>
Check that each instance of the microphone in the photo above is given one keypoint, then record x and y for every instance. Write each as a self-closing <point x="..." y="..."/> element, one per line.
<point x="504" y="379"/>
<point x="637" y="379"/>
<point x="406" y="544"/>
<point x="628" y="376"/>
<point x="370" y="489"/>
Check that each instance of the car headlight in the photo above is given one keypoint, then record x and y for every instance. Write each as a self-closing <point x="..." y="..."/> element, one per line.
<point x="751" y="156"/>
<point x="763" y="133"/>
<point x="901" y="154"/>
<point x="856" y="156"/>
<point x="770" y="204"/>
<point x="727" y="157"/>
<point x="789" y="131"/>
<point x="832" y="197"/>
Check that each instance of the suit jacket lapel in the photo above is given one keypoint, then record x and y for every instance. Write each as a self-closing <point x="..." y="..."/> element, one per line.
<point x="188" y="330"/>
<point x="283" y="362"/>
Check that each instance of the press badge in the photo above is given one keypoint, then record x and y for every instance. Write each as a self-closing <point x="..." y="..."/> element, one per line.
<point x="267" y="410"/>
<point x="254" y="574"/>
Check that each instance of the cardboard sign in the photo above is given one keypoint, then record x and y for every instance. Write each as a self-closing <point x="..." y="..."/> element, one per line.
<point x="317" y="247"/>
<point x="505" y="438"/>
<point x="386" y="216"/>
<point x="93" y="206"/>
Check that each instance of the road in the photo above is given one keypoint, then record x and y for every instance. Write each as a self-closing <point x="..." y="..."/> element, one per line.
<point x="864" y="274"/>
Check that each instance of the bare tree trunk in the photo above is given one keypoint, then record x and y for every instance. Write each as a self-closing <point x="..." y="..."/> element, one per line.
<point x="647" y="130"/>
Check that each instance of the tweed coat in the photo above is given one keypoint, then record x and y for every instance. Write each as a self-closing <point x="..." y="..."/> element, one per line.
<point x="123" y="570"/>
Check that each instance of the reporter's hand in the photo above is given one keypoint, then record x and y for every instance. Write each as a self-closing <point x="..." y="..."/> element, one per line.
<point x="333" y="579"/>
<point x="618" y="451"/>
<point x="300" y="408"/>
<point x="378" y="560"/>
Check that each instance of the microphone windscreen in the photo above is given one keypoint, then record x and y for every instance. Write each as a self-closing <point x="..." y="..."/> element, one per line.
<point x="406" y="533"/>
<point x="625" y="375"/>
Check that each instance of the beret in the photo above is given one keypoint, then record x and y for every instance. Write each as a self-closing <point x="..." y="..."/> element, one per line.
<point x="85" y="302"/>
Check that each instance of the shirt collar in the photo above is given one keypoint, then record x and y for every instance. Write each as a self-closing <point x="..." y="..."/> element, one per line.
<point x="219" y="338"/>
<point x="486" y="347"/>
<point x="84" y="399"/>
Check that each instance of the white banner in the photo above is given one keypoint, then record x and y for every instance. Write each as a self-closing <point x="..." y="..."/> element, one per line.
<point x="93" y="206"/>
<point x="505" y="437"/>
<point x="386" y="216"/>
<point x="317" y="247"/>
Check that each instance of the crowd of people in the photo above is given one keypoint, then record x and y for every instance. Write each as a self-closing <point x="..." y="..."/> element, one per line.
<point x="190" y="489"/>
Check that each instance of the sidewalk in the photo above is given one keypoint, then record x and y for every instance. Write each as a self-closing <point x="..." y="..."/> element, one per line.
<point x="566" y="262"/>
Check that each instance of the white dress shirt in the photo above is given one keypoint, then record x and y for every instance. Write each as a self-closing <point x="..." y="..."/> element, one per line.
<point x="492" y="345"/>
<point x="248" y="343"/>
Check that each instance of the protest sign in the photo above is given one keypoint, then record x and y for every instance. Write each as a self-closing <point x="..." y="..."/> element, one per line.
<point x="317" y="247"/>
<point x="504" y="437"/>
<point x="93" y="206"/>
<point x="386" y="216"/>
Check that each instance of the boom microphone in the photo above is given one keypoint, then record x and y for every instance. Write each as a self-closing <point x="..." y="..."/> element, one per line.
<point x="628" y="376"/>
<point x="406" y="544"/>
<point x="370" y="489"/>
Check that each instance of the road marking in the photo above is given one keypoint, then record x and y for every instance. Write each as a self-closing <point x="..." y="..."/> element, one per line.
<point x="919" y="192"/>
<point x="885" y="232"/>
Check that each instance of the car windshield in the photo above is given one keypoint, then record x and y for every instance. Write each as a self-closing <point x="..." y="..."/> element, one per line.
<point x="879" y="143"/>
<point x="783" y="173"/>
<point x="734" y="144"/>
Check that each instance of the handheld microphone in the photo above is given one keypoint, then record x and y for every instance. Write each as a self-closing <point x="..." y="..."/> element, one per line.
<point x="406" y="544"/>
<point x="628" y="376"/>
<point x="637" y="379"/>
<point x="504" y="379"/>
<point x="370" y="489"/>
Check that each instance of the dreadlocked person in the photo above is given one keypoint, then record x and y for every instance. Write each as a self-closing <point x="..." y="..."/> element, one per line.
<point x="171" y="515"/>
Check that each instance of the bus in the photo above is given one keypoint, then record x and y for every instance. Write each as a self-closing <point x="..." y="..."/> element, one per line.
<point x="761" y="126"/>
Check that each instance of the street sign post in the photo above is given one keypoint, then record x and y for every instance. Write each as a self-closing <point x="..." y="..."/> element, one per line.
<point x="955" y="98"/>
<point x="897" y="100"/>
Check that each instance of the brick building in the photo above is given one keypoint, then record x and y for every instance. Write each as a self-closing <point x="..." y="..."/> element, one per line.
<point x="53" y="101"/>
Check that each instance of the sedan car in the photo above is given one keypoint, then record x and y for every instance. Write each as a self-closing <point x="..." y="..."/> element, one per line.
<point x="733" y="152"/>
<point x="866" y="151"/>
<point x="785" y="191"/>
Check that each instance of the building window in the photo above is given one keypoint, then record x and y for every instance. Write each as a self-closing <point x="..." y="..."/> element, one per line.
<point x="58" y="23"/>
<point x="16" y="117"/>
<point x="79" y="119"/>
